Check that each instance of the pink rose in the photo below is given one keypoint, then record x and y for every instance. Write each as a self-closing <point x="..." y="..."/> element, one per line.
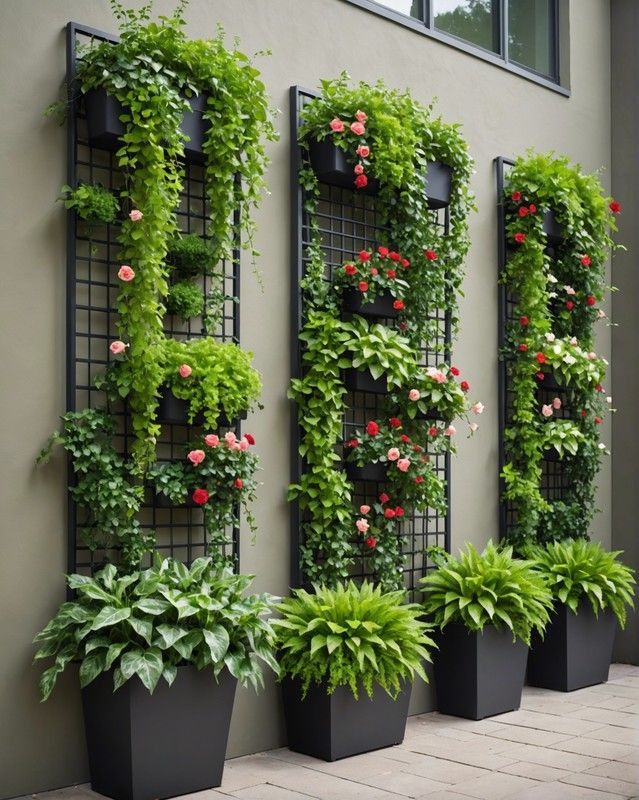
<point x="117" y="347"/>
<point x="556" y="403"/>
<point x="451" y="430"/>
<point x="230" y="437"/>
<point x="601" y="314"/>
<point x="569" y="290"/>
<point x="591" y="355"/>
<point x="362" y="525"/>
<point x="403" y="464"/>
<point x="573" y="341"/>
<point x="478" y="408"/>
<point x="363" y="151"/>
<point x="235" y="446"/>
<point x="360" y="116"/>
<point x="436" y="374"/>
<point x="184" y="371"/>
<point x="337" y="125"/>
<point x="244" y="444"/>
<point x="473" y="427"/>
<point x="125" y="273"/>
<point x="196" y="457"/>
<point x="211" y="440"/>
<point x="357" y="128"/>
<point x="364" y="509"/>
<point x="358" y="169"/>
<point x="135" y="215"/>
<point x="547" y="411"/>
<point x="393" y="454"/>
<point x="414" y="394"/>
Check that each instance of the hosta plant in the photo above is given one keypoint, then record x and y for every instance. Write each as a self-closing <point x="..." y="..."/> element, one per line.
<point x="352" y="636"/>
<point x="92" y="202"/>
<point x="489" y="588"/>
<point x="577" y="570"/>
<point x="564" y="436"/>
<point x="147" y="623"/>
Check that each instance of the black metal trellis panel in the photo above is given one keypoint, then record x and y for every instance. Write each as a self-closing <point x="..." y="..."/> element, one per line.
<point x="553" y="480"/>
<point x="349" y="221"/>
<point x="91" y="319"/>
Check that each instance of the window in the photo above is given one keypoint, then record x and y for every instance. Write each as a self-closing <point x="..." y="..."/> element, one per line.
<point x="521" y="33"/>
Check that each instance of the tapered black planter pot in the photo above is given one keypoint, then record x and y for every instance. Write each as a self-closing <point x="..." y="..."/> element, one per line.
<point x="357" y="381"/>
<point x="381" y="307"/>
<point x="331" y="165"/>
<point x="173" y="410"/>
<point x="173" y="742"/>
<point x="437" y="183"/>
<point x="337" y="726"/>
<point x="369" y="472"/>
<point x="478" y="673"/>
<point x="576" y="649"/>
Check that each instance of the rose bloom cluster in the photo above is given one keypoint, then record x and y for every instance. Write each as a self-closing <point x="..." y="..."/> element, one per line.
<point x="231" y="442"/>
<point x="375" y="270"/>
<point x="363" y="151"/>
<point x="397" y="449"/>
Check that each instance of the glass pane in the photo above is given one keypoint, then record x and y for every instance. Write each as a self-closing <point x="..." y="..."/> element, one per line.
<point x="475" y="21"/>
<point x="531" y="34"/>
<point x="411" y="8"/>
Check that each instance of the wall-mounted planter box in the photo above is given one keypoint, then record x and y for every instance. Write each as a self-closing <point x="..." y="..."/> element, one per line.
<point x="105" y="129"/>
<point x="337" y="726"/>
<point x="369" y="472"/>
<point x="553" y="230"/>
<point x="478" y="673"/>
<point x="576" y="649"/>
<point x="551" y="454"/>
<point x="357" y="381"/>
<point x="381" y="307"/>
<point x="549" y="382"/>
<point x="433" y="415"/>
<point x="331" y="165"/>
<point x="437" y="183"/>
<point x="173" y="742"/>
<point x="162" y="501"/>
<point x="173" y="410"/>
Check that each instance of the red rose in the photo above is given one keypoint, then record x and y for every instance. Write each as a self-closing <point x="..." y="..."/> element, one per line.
<point x="398" y="305"/>
<point x="540" y="376"/>
<point x="200" y="496"/>
<point x="405" y="262"/>
<point x="364" y="255"/>
<point x="389" y="513"/>
<point x="523" y="348"/>
<point x="540" y="358"/>
<point x="361" y="182"/>
<point x="532" y="208"/>
<point x="584" y="413"/>
<point x="598" y="420"/>
<point x="516" y="196"/>
<point x="419" y="479"/>
<point x="371" y="542"/>
<point x="570" y="305"/>
<point x="250" y="438"/>
<point x="350" y="269"/>
<point x="432" y="431"/>
<point x="520" y="238"/>
<point x="394" y="256"/>
<point x="591" y="300"/>
<point x="585" y="260"/>
<point x="523" y="211"/>
<point x="524" y="321"/>
<point x="403" y="326"/>
<point x="404" y="438"/>
<point x="417" y="448"/>
<point x="390" y="273"/>
<point x="454" y="371"/>
<point x="372" y="428"/>
<point x="395" y="422"/>
<point x="383" y="251"/>
<point x="431" y="255"/>
<point x="598" y="388"/>
<point x="383" y="498"/>
<point x="399" y="511"/>
<point x="615" y="207"/>
<point x="362" y="286"/>
<point x="464" y="386"/>
<point x="238" y="483"/>
<point x="352" y="443"/>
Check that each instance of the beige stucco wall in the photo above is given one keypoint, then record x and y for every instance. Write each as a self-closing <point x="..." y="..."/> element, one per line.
<point x="41" y="746"/>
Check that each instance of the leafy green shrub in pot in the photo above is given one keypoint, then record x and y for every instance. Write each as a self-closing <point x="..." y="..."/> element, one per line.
<point x="185" y="299"/>
<point x="190" y="255"/>
<point x="92" y="202"/>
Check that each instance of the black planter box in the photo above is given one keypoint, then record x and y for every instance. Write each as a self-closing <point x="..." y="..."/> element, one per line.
<point x="173" y="742"/>
<point x="336" y="726"/>
<point x="381" y="307"/>
<point x="553" y="230"/>
<point x="369" y="472"/>
<point x="551" y="454"/>
<point x="549" y="382"/>
<point x="437" y="182"/>
<point x="432" y="414"/>
<point x="576" y="649"/>
<point x="105" y="129"/>
<point x="358" y="381"/>
<point x="162" y="501"/>
<point x="478" y="674"/>
<point x="173" y="410"/>
<point x="331" y="165"/>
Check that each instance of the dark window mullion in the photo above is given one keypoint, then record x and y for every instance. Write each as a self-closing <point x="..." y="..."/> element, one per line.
<point x="503" y="29"/>
<point x="429" y="17"/>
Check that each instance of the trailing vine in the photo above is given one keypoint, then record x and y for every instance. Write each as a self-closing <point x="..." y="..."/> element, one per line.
<point x="557" y="293"/>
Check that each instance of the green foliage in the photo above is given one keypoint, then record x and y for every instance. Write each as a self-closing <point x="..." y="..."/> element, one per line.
<point x="578" y="570"/>
<point x="378" y="349"/>
<point x="491" y="588"/>
<point x="373" y="270"/>
<point x="352" y="636"/>
<point x="191" y="255"/>
<point x="92" y="202"/>
<point x="564" y="436"/>
<point x="103" y="485"/>
<point x="222" y="378"/>
<point x="147" y="623"/>
<point x="185" y="299"/>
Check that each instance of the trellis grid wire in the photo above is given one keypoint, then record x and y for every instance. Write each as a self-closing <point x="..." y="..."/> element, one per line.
<point x="91" y="319"/>
<point x="554" y="483"/>
<point x="350" y="222"/>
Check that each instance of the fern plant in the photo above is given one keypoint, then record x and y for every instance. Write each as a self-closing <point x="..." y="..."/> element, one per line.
<point x="489" y="588"/>
<point x="577" y="570"/>
<point x="352" y="636"/>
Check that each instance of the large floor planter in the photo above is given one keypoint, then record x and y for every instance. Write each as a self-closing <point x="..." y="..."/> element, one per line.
<point x="337" y="726"/>
<point x="380" y="308"/>
<point x="478" y="673"/>
<point x="173" y="742"/>
<point x="105" y="129"/>
<point x="331" y="165"/>
<point x="437" y="184"/>
<point x="576" y="649"/>
<point x="376" y="472"/>
<point x="357" y="380"/>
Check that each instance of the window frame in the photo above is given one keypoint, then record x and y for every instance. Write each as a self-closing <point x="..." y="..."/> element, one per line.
<point x="427" y="28"/>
